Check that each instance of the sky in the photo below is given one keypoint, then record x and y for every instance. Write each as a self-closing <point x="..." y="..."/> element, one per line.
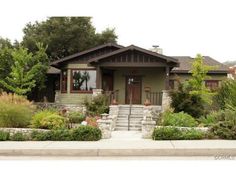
<point x="179" y="27"/>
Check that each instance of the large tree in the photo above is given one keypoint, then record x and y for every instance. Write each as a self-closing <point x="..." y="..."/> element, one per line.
<point x="27" y="70"/>
<point x="65" y="35"/>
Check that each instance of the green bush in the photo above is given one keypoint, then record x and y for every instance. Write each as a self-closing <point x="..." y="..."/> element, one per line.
<point x="4" y="136"/>
<point x="208" y="120"/>
<point x="97" y="106"/>
<point x="226" y="94"/>
<point x="180" y="119"/>
<point x="182" y="100"/>
<point x="60" y="135"/>
<point x="76" y="117"/>
<point x="173" y="133"/>
<point x="225" y="127"/>
<point x="48" y="120"/>
<point x="19" y="137"/>
<point x="86" y="133"/>
<point x="15" y="111"/>
<point x="41" y="136"/>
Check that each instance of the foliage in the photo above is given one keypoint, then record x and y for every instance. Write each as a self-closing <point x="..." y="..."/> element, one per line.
<point x="48" y="120"/>
<point x="180" y="119"/>
<point x="82" y="133"/>
<point x="86" y="133"/>
<point x="92" y="121"/>
<point x="226" y="124"/>
<point x="173" y="133"/>
<point x="52" y="135"/>
<point x="6" y="62"/>
<point x="19" y="137"/>
<point x="65" y="35"/>
<point x="98" y="105"/>
<point x="15" y="111"/>
<point x="4" y="136"/>
<point x="226" y="94"/>
<point x="41" y="135"/>
<point x="27" y="70"/>
<point x="209" y="119"/>
<point x="76" y="117"/>
<point x="182" y="100"/>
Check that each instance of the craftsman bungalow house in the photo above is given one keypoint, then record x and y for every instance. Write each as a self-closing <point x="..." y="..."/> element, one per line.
<point x="123" y="73"/>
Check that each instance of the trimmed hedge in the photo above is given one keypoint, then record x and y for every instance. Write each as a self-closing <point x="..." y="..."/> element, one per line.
<point x="174" y="133"/>
<point x="82" y="133"/>
<point x="86" y="133"/>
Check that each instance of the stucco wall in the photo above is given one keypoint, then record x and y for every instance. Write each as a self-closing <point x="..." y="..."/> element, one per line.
<point x="151" y="77"/>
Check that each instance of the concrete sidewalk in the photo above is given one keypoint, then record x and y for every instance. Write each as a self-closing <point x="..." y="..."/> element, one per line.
<point x="120" y="147"/>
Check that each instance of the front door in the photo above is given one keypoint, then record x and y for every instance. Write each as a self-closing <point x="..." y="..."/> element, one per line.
<point x="133" y="89"/>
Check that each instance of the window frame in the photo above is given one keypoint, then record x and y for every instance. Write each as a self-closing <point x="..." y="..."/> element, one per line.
<point x="64" y="90"/>
<point x="71" y="80"/>
<point x="216" y="81"/>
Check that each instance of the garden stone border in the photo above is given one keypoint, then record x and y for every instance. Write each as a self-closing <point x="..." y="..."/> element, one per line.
<point x="203" y="129"/>
<point x="25" y="131"/>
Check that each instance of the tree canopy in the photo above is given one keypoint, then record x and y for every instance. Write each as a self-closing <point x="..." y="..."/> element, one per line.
<point x="27" y="70"/>
<point x="65" y="35"/>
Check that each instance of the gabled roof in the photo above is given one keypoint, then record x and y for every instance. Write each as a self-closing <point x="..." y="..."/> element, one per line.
<point x="133" y="47"/>
<point x="53" y="70"/>
<point x="186" y="64"/>
<point x="85" y="52"/>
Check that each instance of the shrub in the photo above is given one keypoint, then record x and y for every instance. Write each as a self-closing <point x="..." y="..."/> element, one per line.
<point x="60" y="135"/>
<point x="226" y="124"/>
<point x="173" y="133"/>
<point x="48" y="120"/>
<point x="41" y="136"/>
<point x="226" y="94"/>
<point x="19" y="137"/>
<point x="92" y="121"/>
<point x="4" y="136"/>
<point x="86" y="133"/>
<point x="208" y="120"/>
<point x="15" y="111"/>
<point x="180" y="119"/>
<point x="182" y="100"/>
<point x="76" y="117"/>
<point x="98" y="105"/>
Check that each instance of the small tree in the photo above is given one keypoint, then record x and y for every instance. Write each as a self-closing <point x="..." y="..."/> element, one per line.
<point x="196" y="84"/>
<point x="27" y="70"/>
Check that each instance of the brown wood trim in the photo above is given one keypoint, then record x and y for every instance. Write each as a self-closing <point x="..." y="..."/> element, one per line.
<point x="71" y="81"/>
<point x="63" y="91"/>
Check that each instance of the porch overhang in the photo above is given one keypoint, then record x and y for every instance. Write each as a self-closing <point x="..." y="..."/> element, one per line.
<point x="133" y="56"/>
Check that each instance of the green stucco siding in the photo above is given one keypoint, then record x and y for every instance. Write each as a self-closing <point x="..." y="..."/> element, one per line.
<point x="154" y="78"/>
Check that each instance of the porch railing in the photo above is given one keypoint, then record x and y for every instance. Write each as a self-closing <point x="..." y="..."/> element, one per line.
<point x="112" y="96"/>
<point x="154" y="98"/>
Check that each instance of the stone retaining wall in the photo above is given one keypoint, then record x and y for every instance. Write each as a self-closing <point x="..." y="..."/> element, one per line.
<point x="21" y="130"/>
<point x="58" y="106"/>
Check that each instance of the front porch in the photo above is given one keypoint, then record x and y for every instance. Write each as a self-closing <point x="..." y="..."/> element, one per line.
<point x="130" y="75"/>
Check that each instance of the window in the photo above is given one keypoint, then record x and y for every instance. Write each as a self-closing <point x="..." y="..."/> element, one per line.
<point x="64" y="81"/>
<point x="83" y="80"/>
<point x="212" y="84"/>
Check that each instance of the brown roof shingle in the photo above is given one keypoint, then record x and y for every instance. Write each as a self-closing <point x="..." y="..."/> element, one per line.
<point x="186" y="63"/>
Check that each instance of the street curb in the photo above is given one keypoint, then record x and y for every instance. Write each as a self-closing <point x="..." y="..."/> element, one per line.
<point x="118" y="152"/>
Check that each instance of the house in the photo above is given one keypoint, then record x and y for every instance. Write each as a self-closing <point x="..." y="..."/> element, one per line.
<point x="125" y="74"/>
<point x="232" y="72"/>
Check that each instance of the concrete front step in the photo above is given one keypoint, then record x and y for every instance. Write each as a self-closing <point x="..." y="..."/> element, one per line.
<point x="118" y="124"/>
<point x="126" y="128"/>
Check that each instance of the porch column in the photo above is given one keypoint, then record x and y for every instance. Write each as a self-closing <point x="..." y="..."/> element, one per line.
<point x="99" y="78"/>
<point x="167" y="87"/>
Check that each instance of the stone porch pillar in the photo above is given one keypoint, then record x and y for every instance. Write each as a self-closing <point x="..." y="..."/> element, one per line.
<point x="166" y="100"/>
<point x="105" y="125"/>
